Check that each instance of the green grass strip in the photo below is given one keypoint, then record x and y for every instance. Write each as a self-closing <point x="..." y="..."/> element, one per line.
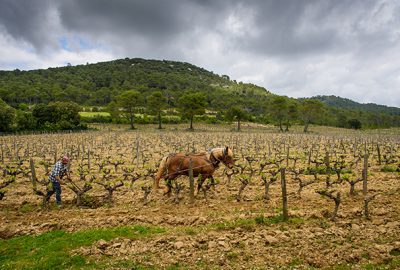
<point x="50" y="250"/>
<point x="93" y="114"/>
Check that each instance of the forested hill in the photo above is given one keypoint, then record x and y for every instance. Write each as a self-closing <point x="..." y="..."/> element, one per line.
<point x="100" y="83"/>
<point x="344" y="103"/>
<point x="104" y="85"/>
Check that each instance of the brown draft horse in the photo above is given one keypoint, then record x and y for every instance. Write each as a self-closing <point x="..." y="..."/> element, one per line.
<point x="204" y="163"/>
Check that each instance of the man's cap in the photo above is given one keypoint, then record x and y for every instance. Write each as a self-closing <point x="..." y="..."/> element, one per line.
<point x="65" y="159"/>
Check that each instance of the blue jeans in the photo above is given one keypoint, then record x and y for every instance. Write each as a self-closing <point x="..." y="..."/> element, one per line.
<point x="56" y="189"/>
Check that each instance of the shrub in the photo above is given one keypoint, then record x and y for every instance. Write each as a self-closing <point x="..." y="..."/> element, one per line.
<point x="57" y="115"/>
<point x="25" y="121"/>
<point x="389" y="168"/>
<point x="96" y="119"/>
<point x="7" y="116"/>
<point x="354" y="123"/>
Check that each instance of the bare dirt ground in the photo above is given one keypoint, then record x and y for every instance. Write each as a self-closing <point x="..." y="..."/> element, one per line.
<point x="221" y="232"/>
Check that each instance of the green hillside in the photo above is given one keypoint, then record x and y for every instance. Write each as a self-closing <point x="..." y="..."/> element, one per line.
<point x="103" y="84"/>
<point x="98" y="84"/>
<point x="344" y="103"/>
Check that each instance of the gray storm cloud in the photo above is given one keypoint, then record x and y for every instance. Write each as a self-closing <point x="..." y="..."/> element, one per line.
<point x="292" y="47"/>
<point x="30" y="21"/>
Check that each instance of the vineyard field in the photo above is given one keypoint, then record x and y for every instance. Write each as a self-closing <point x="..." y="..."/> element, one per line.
<point x="343" y="194"/>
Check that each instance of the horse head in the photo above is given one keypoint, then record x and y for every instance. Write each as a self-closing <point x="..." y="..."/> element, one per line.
<point x="227" y="157"/>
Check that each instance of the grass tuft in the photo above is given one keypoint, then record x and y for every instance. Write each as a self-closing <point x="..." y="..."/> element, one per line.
<point x="389" y="168"/>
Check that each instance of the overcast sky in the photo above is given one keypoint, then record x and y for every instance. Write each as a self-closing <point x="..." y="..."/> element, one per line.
<point x="297" y="48"/>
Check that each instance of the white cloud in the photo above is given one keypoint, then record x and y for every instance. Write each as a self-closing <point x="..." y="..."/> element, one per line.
<point x="20" y="54"/>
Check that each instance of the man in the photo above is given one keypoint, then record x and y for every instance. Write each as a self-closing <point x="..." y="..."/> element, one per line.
<point x="58" y="171"/>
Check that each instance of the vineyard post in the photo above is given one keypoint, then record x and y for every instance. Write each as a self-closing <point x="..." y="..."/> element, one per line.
<point x="309" y="156"/>
<point x="2" y="154"/>
<point x="269" y="149"/>
<point x="287" y="157"/>
<point x="355" y="148"/>
<point x="33" y="173"/>
<point x="15" y="148"/>
<point x="365" y="147"/>
<point x="365" y="174"/>
<point x="379" y="154"/>
<point x="191" y="179"/>
<point x="55" y="155"/>
<point x="88" y="157"/>
<point x="284" y="195"/>
<point x="137" y="151"/>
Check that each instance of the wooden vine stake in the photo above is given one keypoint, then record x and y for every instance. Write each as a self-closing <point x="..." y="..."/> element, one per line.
<point x="33" y="174"/>
<point x="284" y="195"/>
<point x="55" y="155"/>
<point x="88" y="157"/>
<point x="379" y="154"/>
<point x="191" y="179"/>
<point x="137" y="152"/>
<point x="287" y="156"/>
<point x="365" y="175"/>
<point x="2" y="153"/>
<point x="309" y="156"/>
<point x="367" y="199"/>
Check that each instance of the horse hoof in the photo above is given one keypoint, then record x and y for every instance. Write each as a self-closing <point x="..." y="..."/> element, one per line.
<point x="167" y="192"/>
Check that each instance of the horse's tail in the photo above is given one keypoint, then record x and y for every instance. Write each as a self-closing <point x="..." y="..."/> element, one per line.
<point x="160" y="172"/>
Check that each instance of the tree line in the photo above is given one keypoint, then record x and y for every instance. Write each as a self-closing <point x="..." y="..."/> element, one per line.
<point x="129" y="104"/>
<point x="282" y="111"/>
<point x="51" y="117"/>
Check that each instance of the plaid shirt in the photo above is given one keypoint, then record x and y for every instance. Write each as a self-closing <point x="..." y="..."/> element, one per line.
<point x="58" y="169"/>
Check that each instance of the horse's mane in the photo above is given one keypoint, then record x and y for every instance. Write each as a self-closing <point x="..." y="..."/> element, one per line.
<point x="219" y="150"/>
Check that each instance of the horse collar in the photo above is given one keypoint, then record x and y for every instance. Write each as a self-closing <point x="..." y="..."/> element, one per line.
<point x="214" y="161"/>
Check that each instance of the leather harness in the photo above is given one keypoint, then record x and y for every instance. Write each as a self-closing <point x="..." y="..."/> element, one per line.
<point x="212" y="160"/>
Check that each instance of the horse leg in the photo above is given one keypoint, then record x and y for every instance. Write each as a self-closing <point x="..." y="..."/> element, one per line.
<point x="168" y="188"/>
<point x="200" y="183"/>
<point x="161" y="173"/>
<point x="212" y="182"/>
